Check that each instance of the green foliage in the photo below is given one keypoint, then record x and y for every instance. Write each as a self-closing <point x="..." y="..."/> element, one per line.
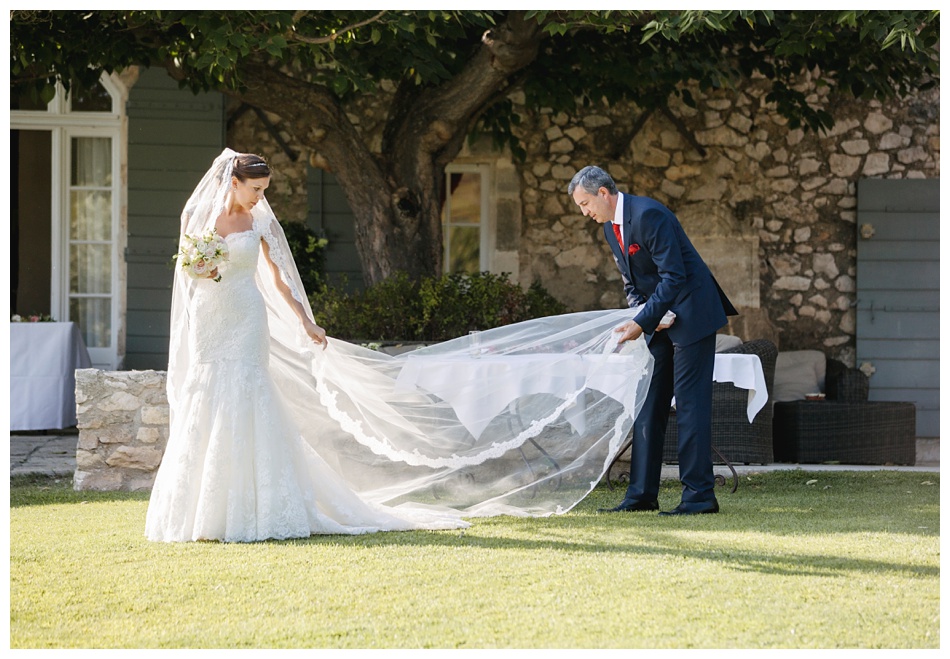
<point x="309" y="252"/>
<point x="345" y="51"/>
<point x="644" y="56"/>
<point x="384" y="311"/>
<point x="870" y="54"/>
<point x="431" y="308"/>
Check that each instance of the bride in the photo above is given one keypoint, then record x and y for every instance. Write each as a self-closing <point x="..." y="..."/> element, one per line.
<point x="277" y="431"/>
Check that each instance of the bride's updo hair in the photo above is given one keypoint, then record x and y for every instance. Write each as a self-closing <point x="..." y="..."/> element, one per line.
<point x="248" y="165"/>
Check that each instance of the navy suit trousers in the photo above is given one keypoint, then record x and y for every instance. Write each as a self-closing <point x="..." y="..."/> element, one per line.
<point x="685" y="372"/>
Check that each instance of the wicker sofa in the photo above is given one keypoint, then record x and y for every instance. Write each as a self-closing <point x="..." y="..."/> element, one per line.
<point x="734" y="439"/>
<point x="845" y="427"/>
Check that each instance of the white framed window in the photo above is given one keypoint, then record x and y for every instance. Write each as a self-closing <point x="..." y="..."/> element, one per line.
<point x="465" y="219"/>
<point x="82" y="180"/>
<point x="87" y="296"/>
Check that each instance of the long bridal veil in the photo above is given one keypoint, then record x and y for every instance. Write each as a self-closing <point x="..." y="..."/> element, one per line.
<point x="521" y="420"/>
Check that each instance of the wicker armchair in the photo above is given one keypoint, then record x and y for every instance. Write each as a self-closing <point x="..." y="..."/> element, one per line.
<point x="845" y="427"/>
<point x="733" y="437"/>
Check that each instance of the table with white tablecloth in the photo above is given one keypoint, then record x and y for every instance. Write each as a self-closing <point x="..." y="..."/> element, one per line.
<point x="458" y="379"/>
<point x="43" y="362"/>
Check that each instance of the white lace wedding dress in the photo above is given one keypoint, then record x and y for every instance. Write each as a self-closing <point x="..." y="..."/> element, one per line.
<point x="273" y="436"/>
<point x="236" y="468"/>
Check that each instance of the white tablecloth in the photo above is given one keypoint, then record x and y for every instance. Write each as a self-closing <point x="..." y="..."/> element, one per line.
<point x="43" y="361"/>
<point x="459" y="380"/>
<point x="744" y="371"/>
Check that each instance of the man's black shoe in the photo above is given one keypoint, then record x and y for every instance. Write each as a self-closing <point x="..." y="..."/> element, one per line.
<point x="631" y="507"/>
<point x="693" y="508"/>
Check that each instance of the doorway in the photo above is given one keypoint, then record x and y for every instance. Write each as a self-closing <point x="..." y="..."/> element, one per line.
<point x="30" y="222"/>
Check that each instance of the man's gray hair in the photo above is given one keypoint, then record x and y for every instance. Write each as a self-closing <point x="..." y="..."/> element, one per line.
<point x="591" y="179"/>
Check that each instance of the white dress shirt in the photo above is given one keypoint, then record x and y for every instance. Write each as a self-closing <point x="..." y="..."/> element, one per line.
<point x="618" y="217"/>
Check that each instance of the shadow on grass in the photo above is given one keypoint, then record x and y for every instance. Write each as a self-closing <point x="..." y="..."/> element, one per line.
<point x="792" y="504"/>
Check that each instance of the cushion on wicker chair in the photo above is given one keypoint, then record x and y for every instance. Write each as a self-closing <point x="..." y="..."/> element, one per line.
<point x="726" y="342"/>
<point x="797" y="373"/>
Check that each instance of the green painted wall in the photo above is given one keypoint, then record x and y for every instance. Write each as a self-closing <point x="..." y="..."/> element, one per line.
<point x="330" y="215"/>
<point x="173" y="137"/>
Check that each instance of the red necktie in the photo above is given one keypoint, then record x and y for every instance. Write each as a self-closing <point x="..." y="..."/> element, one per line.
<point x="617" y="233"/>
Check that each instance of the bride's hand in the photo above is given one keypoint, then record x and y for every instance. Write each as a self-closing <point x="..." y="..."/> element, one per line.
<point x="315" y="332"/>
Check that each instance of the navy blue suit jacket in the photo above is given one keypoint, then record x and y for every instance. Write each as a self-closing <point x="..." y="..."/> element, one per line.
<point x="666" y="273"/>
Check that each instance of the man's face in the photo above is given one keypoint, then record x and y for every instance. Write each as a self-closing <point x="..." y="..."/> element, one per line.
<point x="597" y="206"/>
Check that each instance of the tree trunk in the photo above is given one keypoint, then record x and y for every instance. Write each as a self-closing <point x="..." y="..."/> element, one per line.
<point x="396" y="198"/>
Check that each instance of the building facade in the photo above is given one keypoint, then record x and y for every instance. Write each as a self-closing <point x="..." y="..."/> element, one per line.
<point x="773" y="209"/>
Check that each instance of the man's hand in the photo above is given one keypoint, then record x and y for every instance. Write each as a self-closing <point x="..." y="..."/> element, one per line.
<point x="631" y="330"/>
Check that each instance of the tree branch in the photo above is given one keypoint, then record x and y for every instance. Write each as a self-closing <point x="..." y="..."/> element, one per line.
<point x="683" y="130"/>
<point x="274" y="133"/>
<point x="622" y="145"/>
<point x="336" y="35"/>
<point x="441" y="113"/>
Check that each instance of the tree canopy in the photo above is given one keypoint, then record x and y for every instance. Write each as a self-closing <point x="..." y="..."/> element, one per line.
<point x="453" y="72"/>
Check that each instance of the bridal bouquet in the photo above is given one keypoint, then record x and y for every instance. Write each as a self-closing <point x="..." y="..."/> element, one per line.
<point x="199" y="255"/>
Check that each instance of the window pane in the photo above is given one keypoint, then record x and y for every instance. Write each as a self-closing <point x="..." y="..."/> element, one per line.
<point x="94" y="317"/>
<point x="90" y="215"/>
<point x="90" y="269"/>
<point x="465" y="200"/>
<point x="463" y="250"/>
<point x="91" y="162"/>
<point x="96" y="99"/>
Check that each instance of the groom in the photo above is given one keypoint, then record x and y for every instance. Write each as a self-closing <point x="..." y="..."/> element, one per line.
<point x="662" y="271"/>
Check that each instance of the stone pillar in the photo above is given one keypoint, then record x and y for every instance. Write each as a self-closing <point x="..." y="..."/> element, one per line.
<point x="123" y="428"/>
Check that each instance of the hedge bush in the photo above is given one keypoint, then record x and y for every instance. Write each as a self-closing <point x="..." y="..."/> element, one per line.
<point x="431" y="309"/>
<point x="309" y="252"/>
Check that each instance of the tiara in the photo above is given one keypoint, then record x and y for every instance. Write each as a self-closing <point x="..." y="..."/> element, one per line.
<point x="257" y="164"/>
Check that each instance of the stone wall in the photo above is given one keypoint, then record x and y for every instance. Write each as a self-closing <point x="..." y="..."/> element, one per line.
<point x="743" y="183"/>
<point x="123" y="428"/>
<point x="771" y="207"/>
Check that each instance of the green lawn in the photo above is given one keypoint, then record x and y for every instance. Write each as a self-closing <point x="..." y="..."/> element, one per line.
<point x="795" y="560"/>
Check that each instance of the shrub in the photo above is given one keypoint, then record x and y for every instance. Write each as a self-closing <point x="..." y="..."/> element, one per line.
<point x="431" y="309"/>
<point x="309" y="252"/>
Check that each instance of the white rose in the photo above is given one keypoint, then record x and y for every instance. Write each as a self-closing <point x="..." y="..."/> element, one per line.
<point x="199" y="267"/>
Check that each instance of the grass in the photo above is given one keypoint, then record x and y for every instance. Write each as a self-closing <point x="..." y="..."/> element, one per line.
<point x="795" y="560"/>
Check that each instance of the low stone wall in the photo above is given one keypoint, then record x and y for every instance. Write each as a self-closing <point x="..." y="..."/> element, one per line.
<point x="123" y="428"/>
